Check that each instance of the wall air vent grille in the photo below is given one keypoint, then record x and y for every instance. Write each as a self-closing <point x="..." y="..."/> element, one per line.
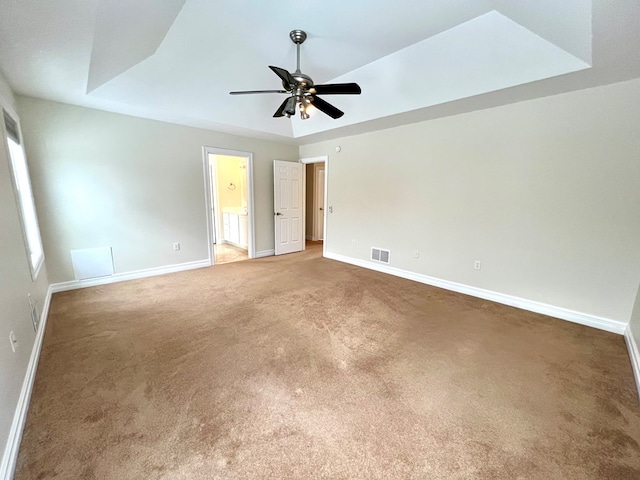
<point x="380" y="255"/>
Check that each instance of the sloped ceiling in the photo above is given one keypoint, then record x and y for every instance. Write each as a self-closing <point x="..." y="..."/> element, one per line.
<point x="176" y="60"/>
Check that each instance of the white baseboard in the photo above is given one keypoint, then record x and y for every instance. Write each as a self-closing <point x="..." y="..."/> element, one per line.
<point x="265" y="253"/>
<point x="634" y="355"/>
<point x="10" y="457"/>
<point x="308" y="237"/>
<point x="122" y="277"/>
<point x="594" y="321"/>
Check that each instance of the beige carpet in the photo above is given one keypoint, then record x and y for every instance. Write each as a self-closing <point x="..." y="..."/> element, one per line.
<point x="299" y="367"/>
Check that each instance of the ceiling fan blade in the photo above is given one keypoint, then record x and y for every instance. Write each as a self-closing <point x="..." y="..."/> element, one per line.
<point x="337" y="89"/>
<point x="249" y="92"/>
<point x="284" y="75"/>
<point x="288" y="107"/>
<point x="280" y="111"/>
<point x="326" y="107"/>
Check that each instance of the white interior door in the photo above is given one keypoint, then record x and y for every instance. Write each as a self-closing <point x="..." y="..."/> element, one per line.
<point x="319" y="190"/>
<point x="288" y="214"/>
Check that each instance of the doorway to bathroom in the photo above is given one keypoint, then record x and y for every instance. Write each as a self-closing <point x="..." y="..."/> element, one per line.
<point x="229" y="188"/>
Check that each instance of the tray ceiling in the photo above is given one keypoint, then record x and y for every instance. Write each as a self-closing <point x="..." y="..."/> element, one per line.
<point x="176" y="60"/>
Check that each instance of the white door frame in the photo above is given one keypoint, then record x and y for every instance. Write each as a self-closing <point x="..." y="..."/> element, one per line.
<point x="317" y="208"/>
<point x="325" y="159"/>
<point x="206" y="151"/>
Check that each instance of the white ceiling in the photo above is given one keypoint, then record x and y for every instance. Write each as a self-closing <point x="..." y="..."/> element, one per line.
<point x="176" y="60"/>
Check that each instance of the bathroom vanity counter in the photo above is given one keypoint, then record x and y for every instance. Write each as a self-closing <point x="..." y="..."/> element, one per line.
<point x="235" y="226"/>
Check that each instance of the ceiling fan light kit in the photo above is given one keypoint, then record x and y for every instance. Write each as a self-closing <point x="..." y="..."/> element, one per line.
<point x="303" y="92"/>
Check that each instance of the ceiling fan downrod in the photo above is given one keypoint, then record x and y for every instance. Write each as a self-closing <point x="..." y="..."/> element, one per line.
<point x="302" y="81"/>
<point x="298" y="37"/>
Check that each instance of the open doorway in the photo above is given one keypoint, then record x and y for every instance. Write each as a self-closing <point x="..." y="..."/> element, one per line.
<point x="315" y="201"/>
<point x="229" y="205"/>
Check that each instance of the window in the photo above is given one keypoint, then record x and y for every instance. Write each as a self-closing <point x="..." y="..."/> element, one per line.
<point x="24" y="196"/>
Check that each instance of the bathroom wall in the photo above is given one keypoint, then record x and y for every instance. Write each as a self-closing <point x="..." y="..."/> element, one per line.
<point x="231" y="181"/>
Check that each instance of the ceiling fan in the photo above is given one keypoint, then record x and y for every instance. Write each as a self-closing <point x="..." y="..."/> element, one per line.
<point x="302" y="91"/>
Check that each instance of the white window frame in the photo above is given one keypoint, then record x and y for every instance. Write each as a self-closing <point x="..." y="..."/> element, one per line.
<point x="24" y="195"/>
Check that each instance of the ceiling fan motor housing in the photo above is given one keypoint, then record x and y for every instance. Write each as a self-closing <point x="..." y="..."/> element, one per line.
<point x="297" y="36"/>
<point x="302" y="80"/>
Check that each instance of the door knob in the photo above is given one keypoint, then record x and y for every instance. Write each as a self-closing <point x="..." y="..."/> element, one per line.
<point x="278" y="213"/>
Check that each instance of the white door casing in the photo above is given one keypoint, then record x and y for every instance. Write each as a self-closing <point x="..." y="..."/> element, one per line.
<point x="320" y="208"/>
<point x="213" y="202"/>
<point x="288" y="206"/>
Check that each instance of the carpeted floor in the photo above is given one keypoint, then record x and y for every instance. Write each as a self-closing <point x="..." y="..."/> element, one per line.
<point x="300" y="367"/>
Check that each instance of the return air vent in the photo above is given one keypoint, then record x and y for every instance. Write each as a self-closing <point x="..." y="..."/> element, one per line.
<point x="380" y="255"/>
<point x="92" y="262"/>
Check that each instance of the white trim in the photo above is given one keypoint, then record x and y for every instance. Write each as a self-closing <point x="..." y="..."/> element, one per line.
<point x="634" y="355"/>
<point x="322" y="158"/>
<point x="209" y="202"/>
<point x="317" y="167"/>
<point x="308" y="237"/>
<point x="123" y="277"/>
<point x="251" y="251"/>
<point x="265" y="253"/>
<point x="33" y="268"/>
<point x="327" y="209"/>
<point x="594" y="321"/>
<point x="304" y="206"/>
<point x="10" y="457"/>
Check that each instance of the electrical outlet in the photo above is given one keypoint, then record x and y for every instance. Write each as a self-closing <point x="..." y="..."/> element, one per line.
<point x="353" y="242"/>
<point x="416" y="254"/>
<point x="13" y="341"/>
<point x="477" y="264"/>
<point x="176" y="247"/>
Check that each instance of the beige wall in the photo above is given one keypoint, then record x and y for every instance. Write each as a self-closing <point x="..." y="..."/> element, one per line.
<point x="544" y="192"/>
<point x="137" y="185"/>
<point x="15" y="284"/>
